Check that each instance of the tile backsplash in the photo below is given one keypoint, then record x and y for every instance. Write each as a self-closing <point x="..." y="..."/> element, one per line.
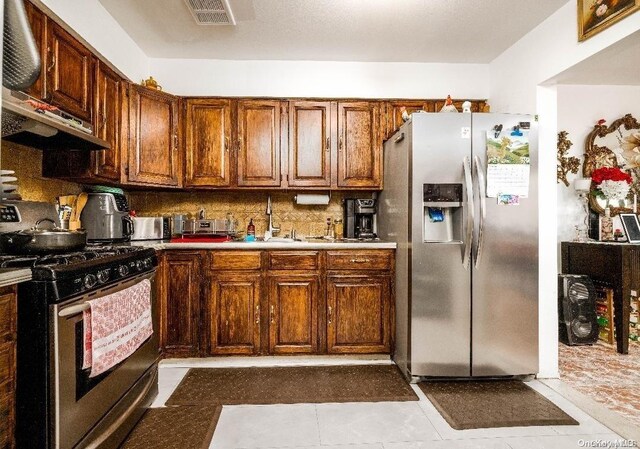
<point x="27" y="163"/>
<point x="306" y="220"/>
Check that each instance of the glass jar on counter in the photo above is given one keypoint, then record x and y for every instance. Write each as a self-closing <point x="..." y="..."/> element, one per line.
<point x="338" y="227"/>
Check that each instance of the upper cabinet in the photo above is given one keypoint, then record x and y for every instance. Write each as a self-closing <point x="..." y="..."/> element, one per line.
<point x="260" y="135"/>
<point x="359" y="145"/>
<point x="208" y="131"/>
<point x="153" y="138"/>
<point x="310" y="144"/>
<point x="69" y="77"/>
<point x="107" y="122"/>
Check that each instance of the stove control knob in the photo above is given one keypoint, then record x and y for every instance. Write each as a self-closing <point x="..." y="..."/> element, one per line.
<point x="103" y="276"/>
<point x="90" y="280"/>
<point x="123" y="270"/>
<point x="139" y="265"/>
<point x="148" y="263"/>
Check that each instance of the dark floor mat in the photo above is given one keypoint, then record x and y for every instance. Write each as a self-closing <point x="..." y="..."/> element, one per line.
<point x="291" y="385"/>
<point x="493" y="403"/>
<point x="189" y="427"/>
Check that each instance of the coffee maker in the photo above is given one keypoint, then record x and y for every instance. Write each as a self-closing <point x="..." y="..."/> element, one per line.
<point x="359" y="218"/>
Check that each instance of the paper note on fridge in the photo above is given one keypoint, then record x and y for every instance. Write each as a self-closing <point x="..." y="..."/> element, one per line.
<point x="508" y="165"/>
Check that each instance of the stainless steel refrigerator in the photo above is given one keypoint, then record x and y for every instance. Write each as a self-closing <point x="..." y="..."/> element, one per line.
<point x="466" y="266"/>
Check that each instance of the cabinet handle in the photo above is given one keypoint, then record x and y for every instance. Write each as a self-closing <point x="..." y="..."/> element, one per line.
<point x="340" y="146"/>
<point x="328" y="144"/>
<point x="360" y="260"/>
<point x="272" y="315"/>
<point x="330" y="315"/>
<point x="226" y="144"/>
<point x="258" y="314"/>
<point x="175" y="141"/>
<point x="53" y="59"/>
<point x="104" y="121"/>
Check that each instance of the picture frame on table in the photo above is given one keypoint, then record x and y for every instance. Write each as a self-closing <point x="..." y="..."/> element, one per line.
<point x="597" y="15"/>
<point x="631" y="227"/>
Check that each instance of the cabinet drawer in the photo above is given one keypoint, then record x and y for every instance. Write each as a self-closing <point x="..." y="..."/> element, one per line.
<point x="235" y="260"/>
<point x="7" y="315"/>
<point x="294" y="260"/>
<point x="359" y="260"/>
<point x="7" y="353"/>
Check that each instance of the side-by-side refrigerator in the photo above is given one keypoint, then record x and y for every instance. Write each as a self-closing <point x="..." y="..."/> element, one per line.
<point x="467" y="257"/>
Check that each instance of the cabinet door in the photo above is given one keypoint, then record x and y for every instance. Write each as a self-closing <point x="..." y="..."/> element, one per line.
<point x="259" y="143"/>
<point x="208" y="133"/>
<point x="358" y="309"/>
<point x="38" y="22"/>
<point x="309" y="144"/>
<point x="153" y="138"/>
<point x="234" y="314"/>
<point x="293" y="321"/>
<point x="180" y="303"/>
<point x="394" y="113"/>
<point x="359" y="145"/>
<point x="108" y="121"/>
<point x="69" y="82"/>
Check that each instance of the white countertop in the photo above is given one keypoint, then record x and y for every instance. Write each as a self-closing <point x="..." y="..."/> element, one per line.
<point x="266" y="245"/>
<point x="11" y="276"/>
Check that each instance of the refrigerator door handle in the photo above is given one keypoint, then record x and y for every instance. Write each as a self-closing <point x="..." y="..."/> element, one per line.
<point x="468" y="181"/>
<point x="482" y="194"/>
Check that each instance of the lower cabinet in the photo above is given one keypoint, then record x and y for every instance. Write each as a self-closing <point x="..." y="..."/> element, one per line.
<point x="293" y="313"/>
<point x="358" y="311"/>
<point x="234" y="313"/>
<point x="8" y="330"/>
<point x="180" y="274"/>
<point x="276" y="302"/>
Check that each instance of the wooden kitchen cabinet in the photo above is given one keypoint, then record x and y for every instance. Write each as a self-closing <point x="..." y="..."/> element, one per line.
<point x="8" y="331"/>
<point x="293" y="308"/>
<point x="181" y="282"/>
<point x="69" y="73"/>
<point x="260" y="135"/>
<point x="108" y="102"/>
<point x="208" y="131"/>
<point x="358" y="314"/>
<point x="310" y="144"/>
<point x="153" y="158"/>
<point x="38" y="22"/>
<point x="394" y="113"/>
<point x="359" y="145"/>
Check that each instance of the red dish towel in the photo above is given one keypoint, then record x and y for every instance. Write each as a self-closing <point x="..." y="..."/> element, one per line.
<point x="115" y="326"/>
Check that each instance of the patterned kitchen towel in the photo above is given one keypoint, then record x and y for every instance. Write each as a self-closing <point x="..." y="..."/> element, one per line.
<point x="115" y="326"/>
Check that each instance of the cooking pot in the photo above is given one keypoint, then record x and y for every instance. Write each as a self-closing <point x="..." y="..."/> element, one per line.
<point x="43" y="241"/>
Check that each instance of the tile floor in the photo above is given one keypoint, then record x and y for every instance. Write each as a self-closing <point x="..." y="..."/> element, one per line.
<point x="603" y="374"/>
<point x="385" y="425"/>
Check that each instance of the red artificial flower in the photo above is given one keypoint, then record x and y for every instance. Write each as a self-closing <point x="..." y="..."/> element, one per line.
<point x="611" y="174"/>
<point x="601" y="121"/>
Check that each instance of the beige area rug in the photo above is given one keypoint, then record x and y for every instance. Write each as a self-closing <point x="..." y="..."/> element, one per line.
<point x="291" y="385"/>
<point x="604" y="375"/>
<point x="174" y="428"/>
<point x="493" y="403"/>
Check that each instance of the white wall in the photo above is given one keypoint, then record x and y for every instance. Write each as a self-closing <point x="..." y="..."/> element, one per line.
<point x="579" y="108"/>
<point x="517" y="77"/>
<point x="101" y="31"/>
<point x="321" y="79"/>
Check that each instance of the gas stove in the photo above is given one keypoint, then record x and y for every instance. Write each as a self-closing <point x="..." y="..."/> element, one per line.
<point x="83" y="271"/>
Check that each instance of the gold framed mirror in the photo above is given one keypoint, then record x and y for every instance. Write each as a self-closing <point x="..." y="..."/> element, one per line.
<point x="616" y="145"/>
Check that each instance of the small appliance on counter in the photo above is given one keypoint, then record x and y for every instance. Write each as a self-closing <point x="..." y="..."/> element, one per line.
<point x="106" y="218"/>
<point x="151" y="228"/>
<point x="360" y="218"/>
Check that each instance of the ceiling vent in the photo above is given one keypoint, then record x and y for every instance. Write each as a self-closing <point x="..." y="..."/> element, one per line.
<point x="211" y="12"/>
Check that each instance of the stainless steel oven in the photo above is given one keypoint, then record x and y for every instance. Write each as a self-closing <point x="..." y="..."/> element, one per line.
<point x="83" y="411"/>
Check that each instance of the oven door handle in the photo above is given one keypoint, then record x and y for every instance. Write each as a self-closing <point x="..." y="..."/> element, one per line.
<point x="79" y="308"/>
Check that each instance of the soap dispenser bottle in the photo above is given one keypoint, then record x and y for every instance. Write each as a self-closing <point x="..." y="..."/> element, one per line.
<point x="251" y="231"/>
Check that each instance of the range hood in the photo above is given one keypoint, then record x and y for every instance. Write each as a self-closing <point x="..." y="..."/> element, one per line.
<point x="32" y="123"/>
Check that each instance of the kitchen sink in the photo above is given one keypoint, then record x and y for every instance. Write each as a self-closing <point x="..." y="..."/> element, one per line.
<point x="281" y="240"/>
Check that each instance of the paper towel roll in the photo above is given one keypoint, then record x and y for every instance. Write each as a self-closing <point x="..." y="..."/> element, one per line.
<point x="311" y="198"/>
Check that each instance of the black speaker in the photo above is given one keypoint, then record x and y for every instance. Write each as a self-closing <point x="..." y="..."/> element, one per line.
<point x="577" y="319"/>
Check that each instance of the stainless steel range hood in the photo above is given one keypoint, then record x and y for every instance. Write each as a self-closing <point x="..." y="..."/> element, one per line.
<point x="25" y="123"/>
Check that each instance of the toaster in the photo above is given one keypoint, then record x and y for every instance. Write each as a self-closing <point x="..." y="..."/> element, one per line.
<point x="150" y="228"/>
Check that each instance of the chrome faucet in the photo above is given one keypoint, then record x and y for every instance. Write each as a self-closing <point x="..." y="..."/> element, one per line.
<point x="273" y="230"/>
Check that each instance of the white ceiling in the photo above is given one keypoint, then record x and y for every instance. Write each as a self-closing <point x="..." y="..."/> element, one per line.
<point x="471" y="31"/>
<point x="615" y="65"/>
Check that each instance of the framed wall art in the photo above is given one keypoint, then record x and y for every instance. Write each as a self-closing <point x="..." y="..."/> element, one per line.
<point x="597" y="15"/>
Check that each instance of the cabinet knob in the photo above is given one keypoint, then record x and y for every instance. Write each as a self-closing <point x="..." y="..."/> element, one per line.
<point x="330" y="315"/>
<point x="272" y="313"/>
<point x="360" y="261"/>
<point x="258" y="314"/>
<point x="328" y="144"/>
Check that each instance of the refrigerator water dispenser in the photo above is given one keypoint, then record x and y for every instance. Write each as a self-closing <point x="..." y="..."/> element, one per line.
<point x="443" y="213"/>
